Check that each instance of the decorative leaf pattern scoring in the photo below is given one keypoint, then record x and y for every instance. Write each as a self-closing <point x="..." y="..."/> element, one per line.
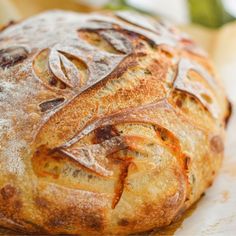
<point x="90" y="156"/>
<point x="63" y="68"/>
<point x="99" y="65"/>
<point x="59" y="70"/>
<point x="204" y="95"/>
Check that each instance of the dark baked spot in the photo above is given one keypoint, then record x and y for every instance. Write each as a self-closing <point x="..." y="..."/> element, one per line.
<point x="179" y="103"/>
<point x="171" y="141"/>
<point x="75" y="173"/>
<point x="166" y="52"/>
<point x="230" y="110"/>
<point x="1" y="89"/>
<point x="179" y="98"/>
<point x="216" y="144"/>
<point x="187" y="162"/>
<point x="93" y="221"/>
<point x="71" y="217"/>
<point x="206" y="97"/>
<point x="162" y="132"/>
<point x="12" y="55"/>
<point x="10" y="203"/>
<point x="17" y="205"/>
<point x="41" y="202"/>
<point x="56" y="221"/>
<point x="123" y="222"/>
<point x="193" y="179"/>
<point x="90" y="176"/>
<point x="148" y="208"/>
<point x="105" y="133"/>
<point x="48" y="105"/>
<point x="52" y="81"/>
<point x="209" y="184"/>
<point x="7" y="192"/>
<point x="63" y="217"/>
<point x="147" y="72"/>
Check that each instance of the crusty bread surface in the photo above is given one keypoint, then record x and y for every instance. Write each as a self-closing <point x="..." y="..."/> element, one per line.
<point x="110" y="123"/>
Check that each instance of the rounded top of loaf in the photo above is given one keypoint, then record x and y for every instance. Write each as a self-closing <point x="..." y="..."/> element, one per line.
<point x="106" y="119"/>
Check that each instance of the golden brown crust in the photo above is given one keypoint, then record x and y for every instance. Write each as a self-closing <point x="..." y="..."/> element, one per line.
<point x="110" y="124"/>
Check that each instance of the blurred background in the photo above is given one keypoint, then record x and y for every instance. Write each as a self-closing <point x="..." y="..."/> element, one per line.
<point x="211" y="13"/>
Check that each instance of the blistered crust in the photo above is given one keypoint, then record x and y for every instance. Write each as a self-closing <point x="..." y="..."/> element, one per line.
<point x="110" y="124"/>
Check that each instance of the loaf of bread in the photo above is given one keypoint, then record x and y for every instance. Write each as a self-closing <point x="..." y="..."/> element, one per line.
<point x="110" y="124"/>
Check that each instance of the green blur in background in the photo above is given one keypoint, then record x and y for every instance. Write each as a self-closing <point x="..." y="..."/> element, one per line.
<point x="210" y="13"/>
